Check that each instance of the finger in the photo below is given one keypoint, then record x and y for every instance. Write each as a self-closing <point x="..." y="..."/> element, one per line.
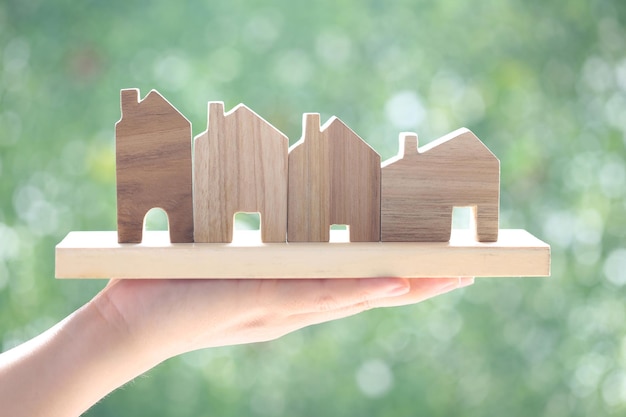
<point x="324" y="295"/>
<point x="423" y="289"/>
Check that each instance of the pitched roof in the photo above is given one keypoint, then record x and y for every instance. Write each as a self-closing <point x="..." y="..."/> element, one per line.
<point x="244" y="111"/>
<point x="451" y="139"/>
<point x="336" y="125"/>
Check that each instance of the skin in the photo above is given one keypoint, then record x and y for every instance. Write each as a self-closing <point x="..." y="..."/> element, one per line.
<point x="133" y="325"/>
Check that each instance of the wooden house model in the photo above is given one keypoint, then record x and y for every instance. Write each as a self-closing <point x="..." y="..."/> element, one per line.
<point x="153" y="166"/>
<point x="240" y="166"/>
<point x="420" y="187"/>
<point x="334" y="178"/>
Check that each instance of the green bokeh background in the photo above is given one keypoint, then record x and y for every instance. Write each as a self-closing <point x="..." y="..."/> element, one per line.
<point x="543" y="84"/>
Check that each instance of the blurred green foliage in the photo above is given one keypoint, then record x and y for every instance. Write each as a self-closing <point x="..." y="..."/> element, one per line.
<point x="543" y="84"/>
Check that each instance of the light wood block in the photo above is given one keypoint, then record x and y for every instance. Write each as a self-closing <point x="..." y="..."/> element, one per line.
<point x="153" y="166"/>
<point x="421" y="186"/>
<point x="334" y="178"/>
<point x="240" y="166"/>
<point x="98" y="255"/>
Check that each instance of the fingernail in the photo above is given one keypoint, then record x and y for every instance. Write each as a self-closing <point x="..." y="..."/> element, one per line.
<point x="449" y="284"/>
<point x="465" y="281"/>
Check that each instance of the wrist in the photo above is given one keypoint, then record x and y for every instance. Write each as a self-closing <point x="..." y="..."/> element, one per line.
<point x="116" y="311"/>
<point x="102" y="354"/>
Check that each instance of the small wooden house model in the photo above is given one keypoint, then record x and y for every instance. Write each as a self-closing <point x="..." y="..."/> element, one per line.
<point x="153" y="166"/>
<point x="334" y="178"/>
<point x="240" y="166"/>
<point x="420" y="187"/>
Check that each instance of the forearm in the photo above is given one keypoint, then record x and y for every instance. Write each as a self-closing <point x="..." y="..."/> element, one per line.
<point x="70" y="367"/>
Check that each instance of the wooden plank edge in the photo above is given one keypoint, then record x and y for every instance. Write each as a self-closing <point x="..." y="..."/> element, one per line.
<point x="98" y="255"/>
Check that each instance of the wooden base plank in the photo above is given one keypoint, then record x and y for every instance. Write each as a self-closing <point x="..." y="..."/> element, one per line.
<point x="517" y="253"/>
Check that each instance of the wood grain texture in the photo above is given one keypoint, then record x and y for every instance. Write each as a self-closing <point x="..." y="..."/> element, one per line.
<point x="240" y="166"/>
<point x="153" y="166"/>
<point x="421" y="186"/>
<point x="334" y="178"/>
<point x="98" y="255"/>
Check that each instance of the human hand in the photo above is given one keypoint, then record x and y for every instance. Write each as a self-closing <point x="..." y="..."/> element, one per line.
<point x="169" y="317"/>
<point x="132" y="325"/>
